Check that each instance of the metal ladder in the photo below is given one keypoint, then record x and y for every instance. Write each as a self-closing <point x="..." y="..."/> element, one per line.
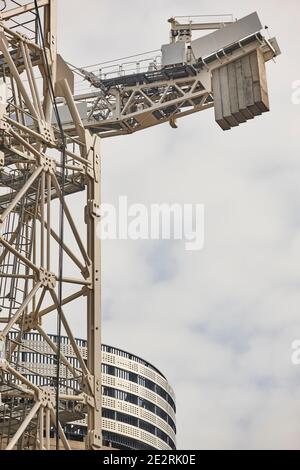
<point x="19" y="233"/>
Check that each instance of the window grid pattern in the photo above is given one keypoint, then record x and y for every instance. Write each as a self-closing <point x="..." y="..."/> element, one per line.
<point x="127" y="427"/>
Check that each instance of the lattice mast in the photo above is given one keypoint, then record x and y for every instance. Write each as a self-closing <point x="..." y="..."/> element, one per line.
<point x="31" y="180"/>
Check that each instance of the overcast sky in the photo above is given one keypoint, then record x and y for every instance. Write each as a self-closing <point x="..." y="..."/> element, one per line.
<point x="218" y="323"/>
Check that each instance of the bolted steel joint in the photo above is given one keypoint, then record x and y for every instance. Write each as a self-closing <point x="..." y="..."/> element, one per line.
<point x="95" y="440"/>
<point x="47" y="279"/>
<point x="94" y="209"/>
<point x="4" y="126"/>
<point x="48" y="164"/>
<point x="47" y="132"/>
<point x="47" y="396"/>
<point x="30" y="322"/>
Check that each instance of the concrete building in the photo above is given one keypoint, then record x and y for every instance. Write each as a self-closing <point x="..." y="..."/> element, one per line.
<point x="138" y="404"/>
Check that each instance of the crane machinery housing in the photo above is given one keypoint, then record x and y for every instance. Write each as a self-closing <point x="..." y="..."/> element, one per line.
<point x="53" y="116"/>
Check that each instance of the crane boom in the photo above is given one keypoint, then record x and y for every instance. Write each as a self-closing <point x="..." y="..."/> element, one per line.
<point x="178" y="85"/>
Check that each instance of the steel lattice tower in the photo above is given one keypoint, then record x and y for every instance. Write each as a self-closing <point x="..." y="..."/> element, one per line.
<point x="31" y="179"/>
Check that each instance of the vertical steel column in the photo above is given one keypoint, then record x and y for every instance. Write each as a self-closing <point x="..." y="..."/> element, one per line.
<point x="50" y="36"/>
<point x="94" y="293"/>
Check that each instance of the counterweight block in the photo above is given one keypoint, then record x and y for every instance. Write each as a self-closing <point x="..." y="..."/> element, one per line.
<point x="240" y="90"/>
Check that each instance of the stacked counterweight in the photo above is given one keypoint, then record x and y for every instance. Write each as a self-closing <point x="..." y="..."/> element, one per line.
<point x="240" y="90"/>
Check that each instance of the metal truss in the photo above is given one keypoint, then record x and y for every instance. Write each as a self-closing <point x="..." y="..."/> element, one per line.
<point x="127" y="103"/>
<point x="31" y="180"/>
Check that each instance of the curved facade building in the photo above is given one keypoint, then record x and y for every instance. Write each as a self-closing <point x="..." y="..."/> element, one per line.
<point x="138" y="402"/>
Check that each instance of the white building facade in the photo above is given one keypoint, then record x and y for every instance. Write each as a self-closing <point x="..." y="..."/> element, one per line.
<point x="138" y="404"/>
